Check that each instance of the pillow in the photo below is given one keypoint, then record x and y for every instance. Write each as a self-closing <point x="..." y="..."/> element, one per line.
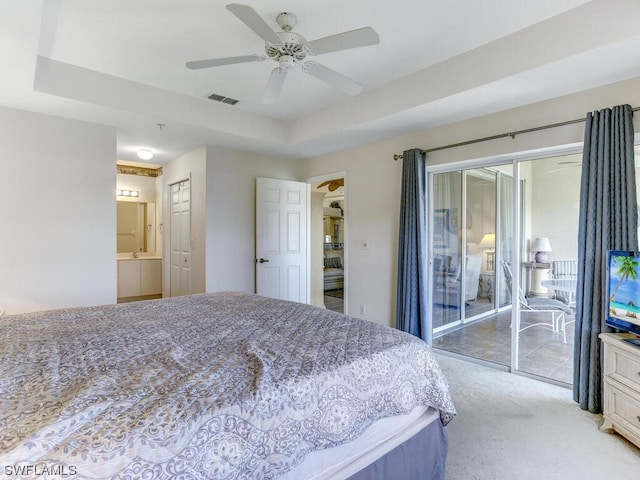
<point x="333" y="262"/>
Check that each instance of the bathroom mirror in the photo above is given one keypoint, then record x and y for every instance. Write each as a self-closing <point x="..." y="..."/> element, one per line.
<point x="136" y="227"/>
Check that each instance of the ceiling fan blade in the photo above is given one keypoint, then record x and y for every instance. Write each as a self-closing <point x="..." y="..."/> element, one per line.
<point x="332" y="184"/>
<point x="361" y="37"/>
<point x="274" y="85"/>
<point x="333" y="78"/>
<point x="216" y="62"/>
<point x="251" y="19"/>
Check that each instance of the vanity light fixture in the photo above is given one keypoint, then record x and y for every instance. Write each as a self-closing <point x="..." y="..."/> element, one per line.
<point x="127" y="193"/>
<point x="144" y="154"/>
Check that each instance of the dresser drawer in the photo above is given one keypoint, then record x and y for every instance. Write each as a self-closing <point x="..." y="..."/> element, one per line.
<point x="625" y="369"/>
<point x="621" y="387"/>
<point x="622" y="408"/>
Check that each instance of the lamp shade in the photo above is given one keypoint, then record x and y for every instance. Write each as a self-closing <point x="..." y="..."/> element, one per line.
<point x="541" y="244"/>
<point x="488" y="241"/>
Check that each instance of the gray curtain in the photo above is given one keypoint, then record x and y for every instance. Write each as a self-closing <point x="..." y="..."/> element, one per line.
<point x="411" y="304"/>
<point x="608" y="221"/>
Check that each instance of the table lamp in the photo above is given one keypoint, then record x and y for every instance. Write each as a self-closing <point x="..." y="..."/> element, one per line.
<point x="542" y="247"/>
<point x="488" y="244"/>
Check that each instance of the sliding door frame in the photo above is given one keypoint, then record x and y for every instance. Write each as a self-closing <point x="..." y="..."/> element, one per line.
<point x="514" y="160"/>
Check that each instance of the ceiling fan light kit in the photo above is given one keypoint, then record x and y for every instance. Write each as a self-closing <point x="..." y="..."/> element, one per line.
<point x="289" y="48"/>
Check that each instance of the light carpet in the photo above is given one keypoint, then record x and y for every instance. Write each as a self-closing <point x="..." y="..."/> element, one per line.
<point x="513" y="427"/>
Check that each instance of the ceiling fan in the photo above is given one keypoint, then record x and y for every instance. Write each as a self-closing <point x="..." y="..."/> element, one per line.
<point x="289" y="49"/>
<point x="332" y="185"/>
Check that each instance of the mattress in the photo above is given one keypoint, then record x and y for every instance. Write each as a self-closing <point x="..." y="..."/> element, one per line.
<point x="225" y="385"/>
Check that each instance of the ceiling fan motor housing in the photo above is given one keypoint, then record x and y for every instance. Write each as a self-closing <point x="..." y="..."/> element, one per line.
<point x="292" y="44"/>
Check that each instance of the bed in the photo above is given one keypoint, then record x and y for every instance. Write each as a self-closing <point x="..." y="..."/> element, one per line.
<point x="223" y="386"/>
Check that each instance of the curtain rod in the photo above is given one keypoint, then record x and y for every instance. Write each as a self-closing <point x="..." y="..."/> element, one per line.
<point x="502" y="135"/>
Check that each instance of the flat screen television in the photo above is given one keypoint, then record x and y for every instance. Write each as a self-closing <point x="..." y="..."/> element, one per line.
<point x="623" y="271"/>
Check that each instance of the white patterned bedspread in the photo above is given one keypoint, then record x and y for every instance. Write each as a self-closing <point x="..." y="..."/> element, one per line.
<point x="225" y="385"/>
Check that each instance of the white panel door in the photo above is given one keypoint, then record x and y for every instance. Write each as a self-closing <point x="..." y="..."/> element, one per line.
<point x="180" y="280"/>
<point x="282" y="239"/>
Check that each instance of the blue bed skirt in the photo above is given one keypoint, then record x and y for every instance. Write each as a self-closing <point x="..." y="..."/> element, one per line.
<point x="422" y="457"/>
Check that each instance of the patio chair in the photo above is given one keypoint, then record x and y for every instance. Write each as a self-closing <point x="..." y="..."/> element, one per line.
<point x="555" y="308"/>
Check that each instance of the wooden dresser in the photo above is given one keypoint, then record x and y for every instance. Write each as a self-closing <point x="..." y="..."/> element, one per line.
<point x="621" y="386"/>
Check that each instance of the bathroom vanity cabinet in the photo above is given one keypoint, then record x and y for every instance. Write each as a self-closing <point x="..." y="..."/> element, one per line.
<point x="139" y="277"/>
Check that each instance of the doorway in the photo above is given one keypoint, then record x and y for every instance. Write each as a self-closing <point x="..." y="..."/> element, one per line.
<point x="328" y="232"/>
<point x="138" y="231"/>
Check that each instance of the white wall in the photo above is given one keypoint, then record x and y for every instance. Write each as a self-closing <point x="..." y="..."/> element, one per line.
<point x="58" y="217"/>
<point x="230" y="216"/>
<point x="145" y="185"/>
<point x="316" y="244"/>
<point x="372" y="208"/>
<point x="222" y="214"/>
<point x="556" y="207"/>
<point x="159" y="199"/>
<point x="374" y="180"/>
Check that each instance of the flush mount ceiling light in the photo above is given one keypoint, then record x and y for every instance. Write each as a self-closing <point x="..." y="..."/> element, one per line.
<point x="145" y="154"/>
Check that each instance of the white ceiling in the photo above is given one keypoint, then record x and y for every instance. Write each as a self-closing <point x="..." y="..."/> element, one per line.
<point x="122" y="63"/>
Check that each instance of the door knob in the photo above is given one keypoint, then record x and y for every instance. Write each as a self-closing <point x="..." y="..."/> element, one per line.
<point x="262" y="260"/>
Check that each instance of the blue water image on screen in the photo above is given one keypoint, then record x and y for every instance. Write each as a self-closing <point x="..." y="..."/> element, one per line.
<point x="624" y="287"/>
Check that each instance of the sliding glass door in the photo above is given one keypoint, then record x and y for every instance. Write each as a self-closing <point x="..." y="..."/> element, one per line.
<point x="447" y="242"/>
<point x="549" y="233"/>
<point x="482" y="231"/>
<point x="468" y="289"/>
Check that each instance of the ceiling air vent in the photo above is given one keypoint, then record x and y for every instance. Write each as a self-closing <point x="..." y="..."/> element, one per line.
<point x="221" y="98"/>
